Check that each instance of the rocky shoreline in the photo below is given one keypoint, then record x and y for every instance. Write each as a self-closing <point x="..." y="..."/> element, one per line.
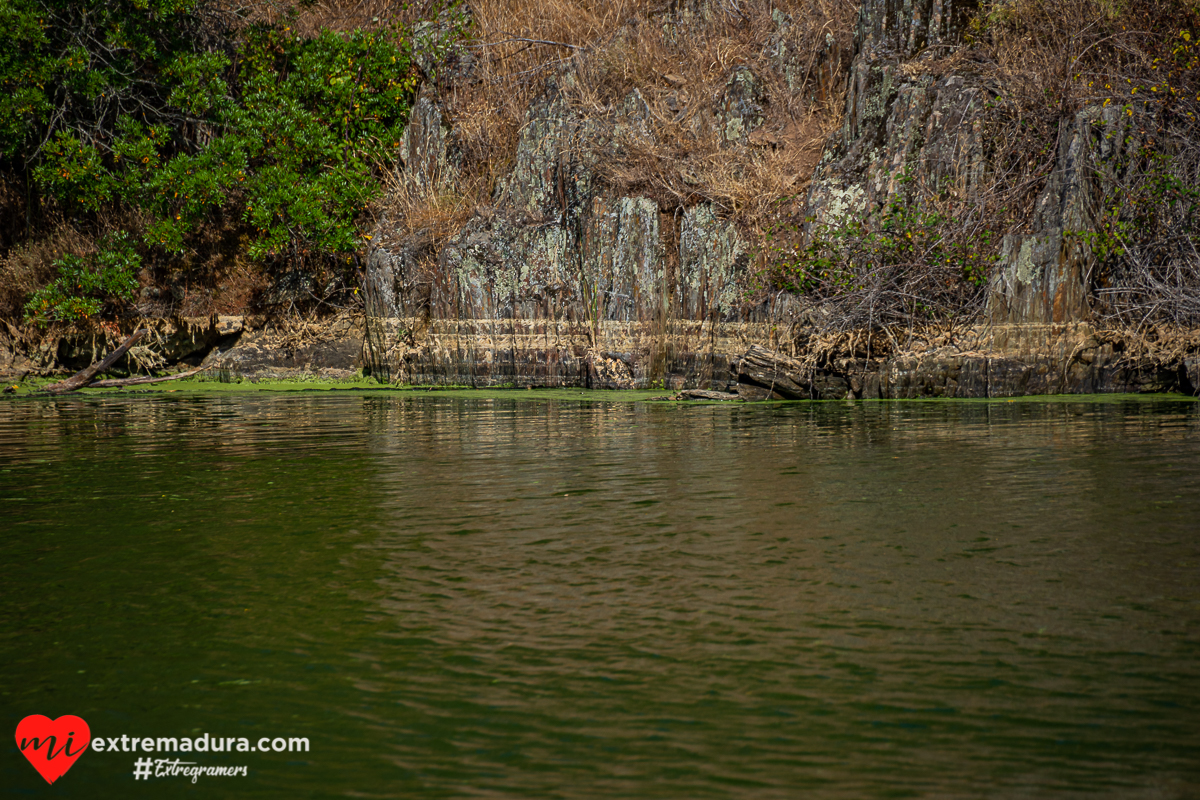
<point x="738" y="362"/>
<point x="230" y="347"/>
<point x="566" y="279"/>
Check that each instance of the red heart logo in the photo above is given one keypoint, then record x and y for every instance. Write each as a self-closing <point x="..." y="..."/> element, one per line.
<point x="50" y="744"/>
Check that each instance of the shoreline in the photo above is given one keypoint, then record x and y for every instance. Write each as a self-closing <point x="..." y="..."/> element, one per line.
<point x="978" y="361"/>
<point x="29" y="390"/>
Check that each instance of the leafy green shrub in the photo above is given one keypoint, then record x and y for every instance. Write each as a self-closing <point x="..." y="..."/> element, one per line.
<point x="170" y="111"/>
<point x="298" y="128"/>
<point x="297" y="150"/>
<point x="85" y="284"/>
<point x="77" y="66"/>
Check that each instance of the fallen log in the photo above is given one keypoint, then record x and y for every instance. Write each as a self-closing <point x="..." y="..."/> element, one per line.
<point x="775" y="372"/>
<point x="113" y="383"/>
<point x="704" y="394"/>
<point x="86" y="376"/>
<point x="764" y="374"/>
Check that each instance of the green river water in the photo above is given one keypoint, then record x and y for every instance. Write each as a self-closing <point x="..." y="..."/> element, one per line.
<point x="529" y="596"/>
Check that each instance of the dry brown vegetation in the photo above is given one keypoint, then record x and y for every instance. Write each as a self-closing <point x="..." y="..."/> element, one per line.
<point x="679" y="56"/>
<point x="28" y="267"/>
<point x="1045" y="61"/>
<point x="1139" y="59"/>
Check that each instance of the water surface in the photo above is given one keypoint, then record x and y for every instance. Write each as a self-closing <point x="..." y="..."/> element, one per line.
<point x="545" y="598"/>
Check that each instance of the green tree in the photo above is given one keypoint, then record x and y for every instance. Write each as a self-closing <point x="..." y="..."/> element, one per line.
<point x="177" y="110"/>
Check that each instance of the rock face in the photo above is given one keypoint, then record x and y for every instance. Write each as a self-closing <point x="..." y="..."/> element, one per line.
<point x="424" y="149"/>
<point x="822" y="77"/>
<point x="1066" y="360"/>
<point x="912" y="128"/>
<point x="905" y="122"/>
<point x="562" y="282"/>
<point x="741" y="109"/>
<point x="331" y="351"/>
<point x="1045" y="276"/>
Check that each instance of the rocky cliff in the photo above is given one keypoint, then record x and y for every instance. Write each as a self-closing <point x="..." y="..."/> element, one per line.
<point x="562" y="281"/>
<point x="565" y="280"/>
<point x="599" y="253"/>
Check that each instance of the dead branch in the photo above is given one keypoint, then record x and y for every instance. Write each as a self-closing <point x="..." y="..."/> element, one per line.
<point x="143" y="380"/>
<point x="84" y="377"/>
<point x="526" y="41"/>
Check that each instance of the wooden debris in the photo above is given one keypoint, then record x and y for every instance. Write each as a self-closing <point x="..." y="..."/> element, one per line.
<point x="85" y="376"/>
<point x="776" y="372"/>
<point x="704" y="394"/>
<point x="143" y="380"/>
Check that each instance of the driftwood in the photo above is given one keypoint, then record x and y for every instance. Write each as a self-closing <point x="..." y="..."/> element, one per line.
<point x="117" y="382"/>
<point x="775" y="372"/>
<point x="764" y="374"/>
<point x="704" y="394"/>
<point x="85" y="376"/>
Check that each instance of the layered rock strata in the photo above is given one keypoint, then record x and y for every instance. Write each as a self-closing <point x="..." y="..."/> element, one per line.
<point x="1053" y="359"/>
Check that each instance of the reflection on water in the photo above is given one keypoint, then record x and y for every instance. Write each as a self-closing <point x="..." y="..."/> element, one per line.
<point x="520" y="598"/>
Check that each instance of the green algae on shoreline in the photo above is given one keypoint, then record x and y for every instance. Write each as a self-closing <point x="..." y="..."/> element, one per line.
<point x="202" y="386"/>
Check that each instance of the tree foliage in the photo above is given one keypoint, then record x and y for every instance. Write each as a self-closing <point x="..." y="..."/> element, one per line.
<point x="179" y="113"/>
<point x="85" y="283"/>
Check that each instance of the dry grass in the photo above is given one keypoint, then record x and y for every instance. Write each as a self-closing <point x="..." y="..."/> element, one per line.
<point x="681" y="68"/>
<point x="1139" y="59"/>
<point x="30" y="266"/>
<point x="679" y="56"/>
<point x="436" y="213"/>
<point x="421" y="219"/>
